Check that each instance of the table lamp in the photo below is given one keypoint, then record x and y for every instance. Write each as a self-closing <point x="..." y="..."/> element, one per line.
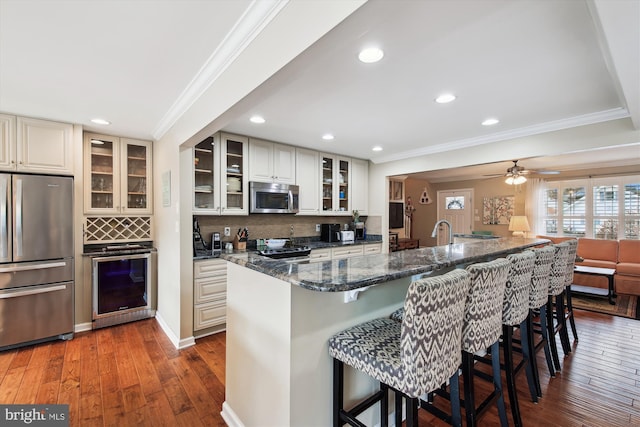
<point x="519" y="225"/>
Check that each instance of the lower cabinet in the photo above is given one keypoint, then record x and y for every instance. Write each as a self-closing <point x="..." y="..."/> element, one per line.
<point x="374" y="248"/>
<point x="209" y="295"/>
<point x="346" y="251"/>
<point x="341" y="252"/>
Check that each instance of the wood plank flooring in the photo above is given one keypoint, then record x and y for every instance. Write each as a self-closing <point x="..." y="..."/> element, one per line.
<point x="131" y="375"/>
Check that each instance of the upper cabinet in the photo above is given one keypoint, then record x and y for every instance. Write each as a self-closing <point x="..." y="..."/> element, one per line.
<point x="271" y="162"/>
<point x="34" y="145"/>
<point x="307" y="178"/>
<point x="220" y="181"/>
<point x="117" y="175"/>
<point x="336" y="178"/>
<point x="360" y="186"/>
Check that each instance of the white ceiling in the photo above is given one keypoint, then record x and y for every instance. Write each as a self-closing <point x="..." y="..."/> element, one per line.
<point x="536" y="65"/>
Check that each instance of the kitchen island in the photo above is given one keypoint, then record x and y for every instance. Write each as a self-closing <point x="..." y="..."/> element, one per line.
<point x="281" y="313"/>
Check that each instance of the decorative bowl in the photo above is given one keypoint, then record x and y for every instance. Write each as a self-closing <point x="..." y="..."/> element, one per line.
<point x="275" y="243"/>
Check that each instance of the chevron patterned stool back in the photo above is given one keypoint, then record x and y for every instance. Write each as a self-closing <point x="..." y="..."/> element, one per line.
<point x="413" y="357"/>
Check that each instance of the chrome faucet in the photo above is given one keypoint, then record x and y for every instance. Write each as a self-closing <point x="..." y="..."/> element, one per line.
<point x="435" y="230"/>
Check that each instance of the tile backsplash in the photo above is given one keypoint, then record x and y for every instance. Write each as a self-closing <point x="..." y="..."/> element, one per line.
<point x="264" y="226"/>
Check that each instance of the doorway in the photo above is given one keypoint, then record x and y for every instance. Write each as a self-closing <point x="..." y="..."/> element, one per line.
<point x="456" y="206"/>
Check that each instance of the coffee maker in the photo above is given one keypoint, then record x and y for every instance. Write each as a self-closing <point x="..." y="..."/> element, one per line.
<point x="359" y="230"/>
<point x="330" y="232"/>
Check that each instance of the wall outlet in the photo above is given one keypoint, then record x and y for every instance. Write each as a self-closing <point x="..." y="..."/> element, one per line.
<point x="227" y="231"/>
<point x="317" y="228"/>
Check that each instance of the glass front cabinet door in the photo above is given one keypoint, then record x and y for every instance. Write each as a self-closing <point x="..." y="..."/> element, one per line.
<point x="336" y="193"/>
<point x="137" y="178"/>
<point x="117" y="175"/>
<point x="220" y="178"/>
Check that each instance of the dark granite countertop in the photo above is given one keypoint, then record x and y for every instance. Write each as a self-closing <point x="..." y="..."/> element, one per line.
<point x="313" y="243"/>
<point x="357" y="272"/>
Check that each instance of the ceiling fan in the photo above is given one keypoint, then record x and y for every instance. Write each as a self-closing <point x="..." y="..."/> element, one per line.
<point x="516" y="174"/>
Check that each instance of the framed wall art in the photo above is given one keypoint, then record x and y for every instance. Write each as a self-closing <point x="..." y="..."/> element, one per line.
<point x="497" y="210"/>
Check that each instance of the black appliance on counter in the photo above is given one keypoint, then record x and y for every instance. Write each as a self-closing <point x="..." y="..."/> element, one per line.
<point x="199" y="245"/>
<point x="330" y="232"/>
<point x="286" y="252"/>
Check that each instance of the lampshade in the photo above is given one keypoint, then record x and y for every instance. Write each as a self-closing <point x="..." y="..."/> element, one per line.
<point x="519" y="225"/>
<point x="516" y="180"/>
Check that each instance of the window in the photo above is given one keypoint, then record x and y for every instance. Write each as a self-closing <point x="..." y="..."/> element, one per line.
<point x="456" y="202"/>
<point x="602" y="208"/>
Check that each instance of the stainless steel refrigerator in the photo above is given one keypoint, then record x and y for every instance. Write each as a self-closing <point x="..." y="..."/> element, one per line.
<point x="36" y="259"/>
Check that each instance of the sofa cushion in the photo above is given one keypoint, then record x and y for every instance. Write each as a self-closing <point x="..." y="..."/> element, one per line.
<point x="629" y="251"/>
<point x="598" y="250"/>
<point x="628" y="269"/>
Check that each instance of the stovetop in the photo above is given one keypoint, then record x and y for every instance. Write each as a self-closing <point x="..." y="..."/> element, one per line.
<point x="287" y="252"/>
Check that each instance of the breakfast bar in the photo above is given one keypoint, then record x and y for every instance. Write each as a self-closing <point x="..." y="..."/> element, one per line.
<point x="281" y="313"/>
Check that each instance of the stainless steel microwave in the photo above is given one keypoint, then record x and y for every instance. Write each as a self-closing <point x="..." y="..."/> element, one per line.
<point x="273" y="198"/>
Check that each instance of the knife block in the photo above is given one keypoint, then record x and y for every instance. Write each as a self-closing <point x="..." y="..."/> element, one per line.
<point x="238" y="245"/>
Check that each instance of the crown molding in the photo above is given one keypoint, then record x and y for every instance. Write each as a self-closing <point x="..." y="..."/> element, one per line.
<point x="556" y="125"/>
<point x="251" y="23"/>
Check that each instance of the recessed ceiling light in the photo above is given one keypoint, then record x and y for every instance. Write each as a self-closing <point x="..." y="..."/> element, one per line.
<point x="445" y="97"/>
<point x="370" y="55"/>
<point x="377" y="148"/>
<point x="257" y="119"/>
<point x="328" y="137"/>
<point x="100" y="121"/>
<point x="490" y="122"/>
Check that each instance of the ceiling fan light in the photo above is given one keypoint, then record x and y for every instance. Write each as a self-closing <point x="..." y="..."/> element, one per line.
<point x="515" y="180"/>
<point x="519" y="180"/>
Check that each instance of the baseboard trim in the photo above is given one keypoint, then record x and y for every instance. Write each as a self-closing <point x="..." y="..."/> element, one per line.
<point x="229" y="416"/>
<point x="82" y="327"/>
<point x="177" y="342"/>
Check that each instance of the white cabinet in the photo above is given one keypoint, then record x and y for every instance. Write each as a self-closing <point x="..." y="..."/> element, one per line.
<point x="7" y="141"/>
<point x="372" y="248"/>
<point x="336" y="176"/>
<point x="117" y="175"/>
<point x="209" y="294"/>
<point x="34" y="145"/>
<point x="347" y="251"/>
<point x="318" y="255"/>
<point x="308" y="179"/>
<point x="220" y="181"/>
<point x="360" y="186"/>
<point x="271" y="162"/>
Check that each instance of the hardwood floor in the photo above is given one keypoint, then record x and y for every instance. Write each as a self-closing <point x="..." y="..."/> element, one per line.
<point x="131" y="375"/>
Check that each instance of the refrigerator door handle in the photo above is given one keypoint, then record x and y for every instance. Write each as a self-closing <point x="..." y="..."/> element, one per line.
<point x="32" y="267"/>
<point x="19" y="217"/>
<point x="4" y="236"/>
<point x="32" y="291"/>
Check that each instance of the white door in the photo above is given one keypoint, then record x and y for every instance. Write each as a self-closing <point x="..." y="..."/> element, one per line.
<point x="456" y="206"/>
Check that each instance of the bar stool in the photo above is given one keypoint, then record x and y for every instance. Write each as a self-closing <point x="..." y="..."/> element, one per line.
<point x="412" y="357"/>
<point x="515" y="312"/>
<point x="481" y="331"/>
<point x="554" y="298"/>
<point x="538" y="297"/>
<point x="571" y="263"/>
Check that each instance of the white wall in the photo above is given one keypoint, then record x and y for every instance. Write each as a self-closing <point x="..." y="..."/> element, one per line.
<point x="267" y="53"/>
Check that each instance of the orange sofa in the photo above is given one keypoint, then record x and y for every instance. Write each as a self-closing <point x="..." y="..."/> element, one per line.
<point x="627" y="278"/>
<point x="622" y="255"/>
